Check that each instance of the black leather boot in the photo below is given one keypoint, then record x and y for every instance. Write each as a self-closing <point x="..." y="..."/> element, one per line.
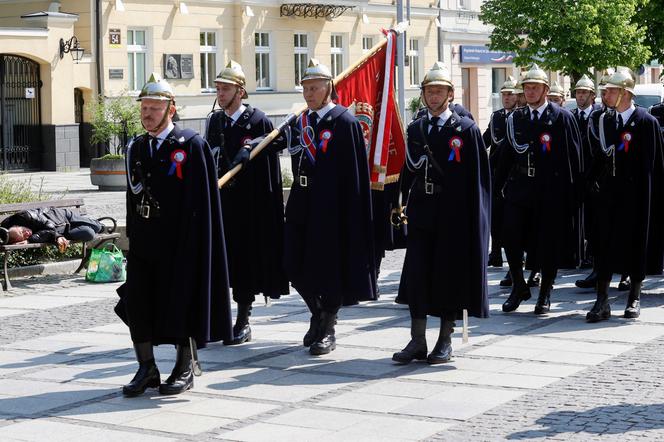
<point x="147" y="375"/>
<point x="182" y="377"/>
<point x="633" y="309"/>
<point x="496" y="255"/>
<point x="326" y="341"/>
<point x="520" y="292"/>
<point x="589" y="282"/>
<point x="417" y="347"/>
<point x="624" y="284"/>
<point x="241" y="329"/>
<point x="601" y="310"/>
<point x="544" y="299"/>
<point x="315" y="308"/>
<point x="534" y="279"/>
<point x="442" y="351"/>
<point x="507" y="280"/>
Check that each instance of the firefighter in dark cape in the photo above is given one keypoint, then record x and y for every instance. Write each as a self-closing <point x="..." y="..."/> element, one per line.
<point x="539" y="175"/>
<point x="177" y="284"/>
<point x="628" y="169"/>
<point x="252" y="201"/>
<point x="448" y="210"/>
<point x="329" y="250"/>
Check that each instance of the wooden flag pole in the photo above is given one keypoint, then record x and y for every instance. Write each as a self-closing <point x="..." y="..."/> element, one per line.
<point x="400" y="28"/>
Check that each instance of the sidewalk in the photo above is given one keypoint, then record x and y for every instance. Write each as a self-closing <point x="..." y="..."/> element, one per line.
<point x="64" y="356"/>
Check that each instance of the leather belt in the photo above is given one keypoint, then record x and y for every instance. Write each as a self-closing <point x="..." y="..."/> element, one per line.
<point x="527" y="171"/>
<point x="304" y="180"/>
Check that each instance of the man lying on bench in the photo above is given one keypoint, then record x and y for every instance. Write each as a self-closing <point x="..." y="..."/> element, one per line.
<point x="49" y="225"/>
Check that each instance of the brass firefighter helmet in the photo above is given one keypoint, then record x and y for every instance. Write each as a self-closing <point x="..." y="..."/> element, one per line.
<point x="535" y="75"/>
<point x="317" y="71"/>
<point x="509" y="85"/>
<point x="233" y="74"/>
<point x="156" y="89"/>
<point x="557" y="90"/>
<point x="438" y="75"/>
<point x="604" y="78"/>
<point x="623" y="78"/>
<point x="584" y="83"/>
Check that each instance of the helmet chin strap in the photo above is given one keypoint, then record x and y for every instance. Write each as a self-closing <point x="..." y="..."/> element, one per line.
<point x="237" y="91"/>
<point x="163" y="118"/>
<point x="620" y="95"/>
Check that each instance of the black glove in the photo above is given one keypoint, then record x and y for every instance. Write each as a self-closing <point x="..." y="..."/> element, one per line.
<point x="241" y="157"/>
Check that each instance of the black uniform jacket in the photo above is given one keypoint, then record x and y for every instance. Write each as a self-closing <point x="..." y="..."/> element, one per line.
<point x="630" y="199"/>
<point x="182" y="240"/>
<point x="553" y="193"/>
<point x="454" y="218"/>
<point x="495" y="140"/>
<point x="329" y="226"/>
<point x="586" y="157"/>
<point x="253" y="207"/>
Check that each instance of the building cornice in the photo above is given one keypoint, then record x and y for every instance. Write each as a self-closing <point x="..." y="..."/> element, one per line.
<point x="24" y="32"/>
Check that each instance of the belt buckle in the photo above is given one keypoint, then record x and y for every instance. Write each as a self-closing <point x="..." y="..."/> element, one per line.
<point x="303" y="181"/>
<point x="428" y="188"/>
<point x="531" y="172"/>
<point x="144" y="210"/>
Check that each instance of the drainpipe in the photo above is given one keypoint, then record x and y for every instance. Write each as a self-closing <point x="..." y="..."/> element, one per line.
<point x="98" y="51"/>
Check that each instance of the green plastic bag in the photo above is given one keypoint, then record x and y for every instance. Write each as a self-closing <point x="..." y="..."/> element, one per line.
<point x="107" y="264"/>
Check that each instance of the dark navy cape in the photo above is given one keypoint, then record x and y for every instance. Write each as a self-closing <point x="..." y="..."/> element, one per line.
<point x="329" y="248"/>
<point x="187" y="285"/>
<point x="448" y="232"/>
<point x="631" y="203"/>
<point x="495" y="140"/>
<point x="554" y="194"/>
<point x="253" y="207"/>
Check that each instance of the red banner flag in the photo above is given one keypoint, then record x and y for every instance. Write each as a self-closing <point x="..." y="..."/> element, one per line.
<point x="368" y="92"/>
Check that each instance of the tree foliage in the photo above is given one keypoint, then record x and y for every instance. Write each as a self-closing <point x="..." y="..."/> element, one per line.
<point x="571" y="36"/>
<point x="114" y="120"/>
<point x="651" y="15"/>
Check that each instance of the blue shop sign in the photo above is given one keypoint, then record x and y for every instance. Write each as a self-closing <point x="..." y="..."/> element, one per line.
<point x="482" y="54"/>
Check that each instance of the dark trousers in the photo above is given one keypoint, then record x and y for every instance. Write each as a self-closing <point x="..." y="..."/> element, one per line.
<point x="330" y="304"/>
<point x="242" y="297"/>
<point x="82" y="228"/>
<point x="519" y="233"/>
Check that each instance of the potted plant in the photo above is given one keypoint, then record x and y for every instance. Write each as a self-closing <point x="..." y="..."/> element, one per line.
<point x="114" y="122"/>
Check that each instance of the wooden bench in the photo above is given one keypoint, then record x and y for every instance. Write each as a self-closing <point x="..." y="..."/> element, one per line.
<point x="76" y="206"/>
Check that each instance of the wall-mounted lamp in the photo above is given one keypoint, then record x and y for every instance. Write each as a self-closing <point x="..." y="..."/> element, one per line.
<point x="71" y="46"/>
<point x="119" y="6"/>
<point x="248" y="11"/>
<point x="184" y="10"/>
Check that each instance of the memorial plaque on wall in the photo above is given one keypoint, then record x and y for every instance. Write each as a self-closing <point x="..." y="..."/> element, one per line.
<point x="115" y="74"/>
<point x="178" y="66"/>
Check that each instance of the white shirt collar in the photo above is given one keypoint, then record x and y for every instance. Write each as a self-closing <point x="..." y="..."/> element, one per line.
<point x="161" y="136"/>
<point x="447" y="113"/>
<point x="236" y="115"/>
<point x="540" y="110"/>
<point x="627" y="113"/>
<point x="587" y="110"/>
<point x="323" y="110"/>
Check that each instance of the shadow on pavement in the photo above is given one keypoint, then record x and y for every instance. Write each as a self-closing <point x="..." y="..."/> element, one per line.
<point x="605" y="420"/>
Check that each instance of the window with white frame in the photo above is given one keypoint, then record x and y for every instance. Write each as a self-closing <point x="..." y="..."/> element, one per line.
<point x="301" y="50"/>
<point x="414" y="61"/>
<point x="137" y="55"/>
<point x="208" y="50"/>
<point x="262" y="43"/>
<point x="367" y="43"/>
<point x="337" y="54"/>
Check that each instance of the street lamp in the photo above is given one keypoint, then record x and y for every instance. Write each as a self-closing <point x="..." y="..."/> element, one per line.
<point x="71" y="46"/>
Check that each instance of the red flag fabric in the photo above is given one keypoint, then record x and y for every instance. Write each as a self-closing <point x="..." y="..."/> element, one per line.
<point x="368" y="92"/>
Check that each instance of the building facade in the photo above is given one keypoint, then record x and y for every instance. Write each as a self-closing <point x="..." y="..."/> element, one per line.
<point x="44" y="91"/>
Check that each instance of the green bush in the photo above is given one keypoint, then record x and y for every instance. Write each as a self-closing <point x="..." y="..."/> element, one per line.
<point x="286" y="178"/>
<point x="13" y="191"/>
<point x="114" y="120"/>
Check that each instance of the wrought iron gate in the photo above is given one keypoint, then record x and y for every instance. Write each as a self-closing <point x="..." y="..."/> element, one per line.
<point x="20" y="114"/>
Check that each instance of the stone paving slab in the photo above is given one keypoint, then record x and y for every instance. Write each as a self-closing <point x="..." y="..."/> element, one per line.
<point x="68" y="373"/>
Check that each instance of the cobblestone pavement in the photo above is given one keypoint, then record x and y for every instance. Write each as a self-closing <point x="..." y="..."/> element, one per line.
<point x="64" y="356"/>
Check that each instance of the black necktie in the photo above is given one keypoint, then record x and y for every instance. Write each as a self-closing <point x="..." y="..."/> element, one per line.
<point x="583" y="115"/>
<point x="434" y="125"/>
<point x="313" y="120"/>
<point x="153" y="146"/>
<point x="535" y="115"/>
<point x="229" y="122"/>
<point x="620" y="123"/>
